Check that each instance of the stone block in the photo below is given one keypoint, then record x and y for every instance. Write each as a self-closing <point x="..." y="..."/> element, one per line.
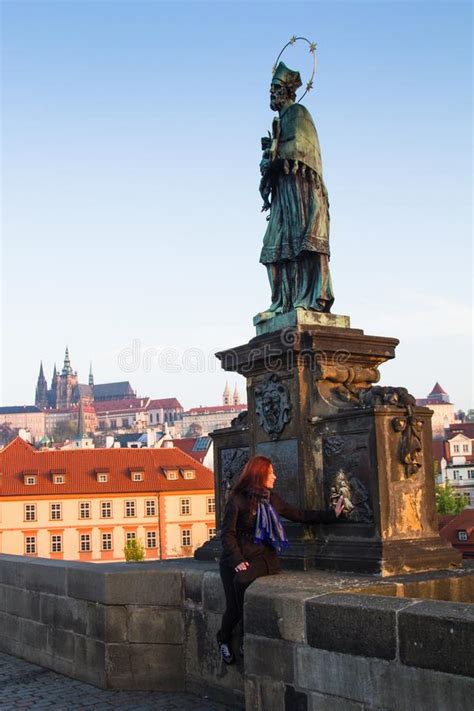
<point x="89" y="660"/>
<point x="9" y="645"/>
<point x="331" y="673"/>
<point x="19" y="602"/>
<point x="145" y="666"/>
<point x="294" y="700"/>
<point x="155" y="625"/>
<point x="61" y="643"/>
<point x="324" y="702"/>
<point x="95" y="619"/>
<point x="213" y="597"/>
<point x="354" y="624"/>
<point x="269" y="657"/>
<point x="252" y="696"/>
<point x="193" y="580"/>
<point x="12" y="570"/>
<point x="63" y="612"/>
<point x="9" y="626"/>
<point x="47" y="576"/>
<point x="277" y="614"/>
<point x="438" y="635"/>
<point x="378" y="684"/>
<point x="403" y="688"/>
<point x="33" y="634"/>
<point x="203" y="662"/>
<point x="127" y="585"/>
<point x="115" y="623"/>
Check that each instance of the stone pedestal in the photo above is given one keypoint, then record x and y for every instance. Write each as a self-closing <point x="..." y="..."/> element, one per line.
<point x="314" y="410"/>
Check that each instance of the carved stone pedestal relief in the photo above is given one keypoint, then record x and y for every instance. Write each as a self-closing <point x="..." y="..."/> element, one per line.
<point x="314" y="408"/>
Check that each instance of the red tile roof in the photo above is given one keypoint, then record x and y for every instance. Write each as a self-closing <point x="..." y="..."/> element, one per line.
<point x="81" y="466"/>
<point x="164" y="403"/>
<point x="438" y="390"/>
<point x="132" y="404"/>
<point x="466" y="428"/>
<point x="186" y="444"/>
<point x="462" y="522"/>
<point x="215" y="408"/>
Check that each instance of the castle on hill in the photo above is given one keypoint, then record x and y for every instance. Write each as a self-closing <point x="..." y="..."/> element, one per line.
<point x="66" y="390"/>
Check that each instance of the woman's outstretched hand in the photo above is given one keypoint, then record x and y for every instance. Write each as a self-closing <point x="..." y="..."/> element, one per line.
<point x="241" y="566"/>
<point x="339" y="506"/>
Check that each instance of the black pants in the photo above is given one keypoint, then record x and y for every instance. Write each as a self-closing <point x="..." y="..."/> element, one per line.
<point x="235" y="585"/>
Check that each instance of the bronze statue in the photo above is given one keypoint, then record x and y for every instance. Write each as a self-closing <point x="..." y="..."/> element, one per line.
<point x="296" y="242"/>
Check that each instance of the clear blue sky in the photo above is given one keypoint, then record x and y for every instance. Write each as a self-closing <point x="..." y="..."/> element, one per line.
<point x="131" y="213"/>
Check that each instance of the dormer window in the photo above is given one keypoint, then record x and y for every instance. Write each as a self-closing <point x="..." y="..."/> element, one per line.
<point x="170" y="474"/>
<point x="462" y="535"/>
<point x="188" y="473"/>
<point x="58" y="476"/>
<point x="137" y="474"/>
<point x="102" y="475"/>
<point x="30" y="478"/>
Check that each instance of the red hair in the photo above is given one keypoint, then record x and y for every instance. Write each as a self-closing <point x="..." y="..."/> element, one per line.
<point x="254" y="474"/>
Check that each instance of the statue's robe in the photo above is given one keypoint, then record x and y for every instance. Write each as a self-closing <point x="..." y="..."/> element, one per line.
<point x="296" y="243"/>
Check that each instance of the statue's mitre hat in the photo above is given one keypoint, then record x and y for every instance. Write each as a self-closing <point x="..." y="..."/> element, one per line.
<point x="283" y="75"/>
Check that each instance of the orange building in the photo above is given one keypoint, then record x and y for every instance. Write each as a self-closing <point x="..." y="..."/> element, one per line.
<point x="85" y="504"/>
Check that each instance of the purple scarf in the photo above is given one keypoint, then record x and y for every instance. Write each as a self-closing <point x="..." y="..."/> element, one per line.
<point x="268" y="525"/>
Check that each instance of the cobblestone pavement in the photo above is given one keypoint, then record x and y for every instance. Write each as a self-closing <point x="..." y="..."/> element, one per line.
<point x="27" y="686"/>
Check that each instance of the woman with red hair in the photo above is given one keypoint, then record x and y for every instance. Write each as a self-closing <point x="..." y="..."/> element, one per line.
<point x="252" y="535"/>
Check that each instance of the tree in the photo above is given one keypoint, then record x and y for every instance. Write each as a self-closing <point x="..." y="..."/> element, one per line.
<point x="470" y="416"/>
<point x="64" y="429"/>
<point x="7" y="433"/>
<point x="134" y="551"/>
<point x="448" y="502"/>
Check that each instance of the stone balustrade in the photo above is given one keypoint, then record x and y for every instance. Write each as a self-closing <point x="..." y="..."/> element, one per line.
<point x="314" y="640"/>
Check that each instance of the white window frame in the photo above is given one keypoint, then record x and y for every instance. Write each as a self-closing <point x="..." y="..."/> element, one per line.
<point x="102" y="478"/>
<point x="87" y="507"/>
<point x="30" y="512"/>
<point x="130" y="508"/>
<point x="106" y="536"/>
<point x="106" y="506"/>
<point x="186" y="535"/>
<point x="137" y="476"/>
<point x="56" y="543"/>
<point x="150" y="507"/>
<point x="211" y="533"/>
<point x="185" y="506"/>
<point x="462" y="536"/>
<point x="151" y="535"/>
<point x="211" y="504"/>
<point x="85" y="542"/>
<point x="59" y="479"/>
<point x="30" y="542"/>
<point x="54" y="508"/>
<point x="30" y="480"/>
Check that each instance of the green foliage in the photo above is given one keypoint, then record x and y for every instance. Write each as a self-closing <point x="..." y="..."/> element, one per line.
<point x="7" y="433"/>
<point x="470" y="416"/>
<point x="447" y="502"/>
<point x="64" y="430"/>
<point x="134" y="551"/>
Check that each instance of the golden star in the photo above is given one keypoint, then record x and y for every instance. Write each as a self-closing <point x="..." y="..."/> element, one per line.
<point x="293" y="39"/>
<point x="309" y="86"/>
<point x="312" y="47"/>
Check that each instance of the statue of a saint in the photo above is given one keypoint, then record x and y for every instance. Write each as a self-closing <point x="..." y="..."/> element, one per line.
<point x="296" y="243"/>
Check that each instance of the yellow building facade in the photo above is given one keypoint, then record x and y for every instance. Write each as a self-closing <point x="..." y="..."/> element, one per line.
<point x="86" y="504"/>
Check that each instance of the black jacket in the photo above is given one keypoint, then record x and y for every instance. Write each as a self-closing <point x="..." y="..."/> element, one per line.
<point x="238" y="526"/>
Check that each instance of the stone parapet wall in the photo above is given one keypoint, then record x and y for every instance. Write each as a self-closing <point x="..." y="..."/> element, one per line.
<point x="314" y="640"/>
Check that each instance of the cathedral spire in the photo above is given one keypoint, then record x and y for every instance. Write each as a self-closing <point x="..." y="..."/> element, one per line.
<point x="41" y="396"/>
<point x="91" y="376"/>
<point x="226" y="396"/>
<point x="67" y="370"/>
<point x="236" y="396"/>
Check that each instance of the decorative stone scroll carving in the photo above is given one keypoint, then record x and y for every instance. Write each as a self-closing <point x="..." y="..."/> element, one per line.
<point x="357" y="507"/>
<point x="241" y="422"/>
<point x="273" y="406"/>
<point x="409" y="426"/>
<point x="347" y="382"/>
